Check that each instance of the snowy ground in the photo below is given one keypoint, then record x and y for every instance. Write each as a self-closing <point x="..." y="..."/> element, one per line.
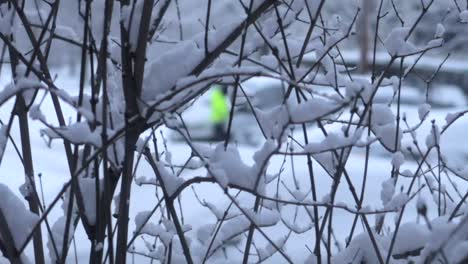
<point x="51" y="164"/>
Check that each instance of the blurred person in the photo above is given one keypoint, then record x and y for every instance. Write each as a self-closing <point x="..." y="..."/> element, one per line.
<point x="219" y="111"/>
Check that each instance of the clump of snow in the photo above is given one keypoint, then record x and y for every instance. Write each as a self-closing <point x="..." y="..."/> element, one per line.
<point x="26" y="189"/>
<point x="36" y="114"/>
<point x="88" y="190"/>
<point x="334" y="141"/>
<point x="388" y="136"/>
<point x="410" y="237"/>
<point x="407" y="173"/>
<point x="383" y="125"/>
<point x="382" y="115"/>
<point x="273" y="121"/>
<point x="433" y="138"/>
<point x="312" y="109"/>
<point x="80" y="133"/>
<point x="232" y="229"/>
<point x="397" y="201"/>
<point x="451" y="117"/>
<point x="388" y="190"/>
<point x="397" y="44"/>
<point x="397" y="159"/>
<point x="463" y="16"/>
<point x="228" y="167"/>
<point x="165" y="231"/>
<point x="423" y="111"/>
<point x="22" y="85"/>
<point x="444" y="239"/>
<point x="20" y="221"/>
<point x="140" y="145"/>
<point x="174" y="64"/>
<point x="98" y="247"/>
<point x="269" y="250"/>
<point x="195" y="163"/>
<point x="219" y="212"/>
<point x="396" y="83"/>
<point x="329" y="161"/>
<point x="359" y="86"/>
<point x="433" y="43"/>
<point x="171" y="181"/>
<point x="142" y="180"/>
<point x="360" y="250"/>
<point x="440" y="31"/>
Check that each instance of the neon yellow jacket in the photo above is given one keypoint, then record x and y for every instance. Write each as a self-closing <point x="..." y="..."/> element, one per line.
<point x="219" y="107"/>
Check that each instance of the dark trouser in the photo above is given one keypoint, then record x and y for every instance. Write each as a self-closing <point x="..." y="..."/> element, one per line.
<point x="218" y="131"/>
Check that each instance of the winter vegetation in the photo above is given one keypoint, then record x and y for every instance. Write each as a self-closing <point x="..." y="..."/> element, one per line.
<point x="345" y="135"/>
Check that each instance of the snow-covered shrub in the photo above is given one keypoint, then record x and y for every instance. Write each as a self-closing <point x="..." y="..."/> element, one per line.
<point x="296" y="180"/>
